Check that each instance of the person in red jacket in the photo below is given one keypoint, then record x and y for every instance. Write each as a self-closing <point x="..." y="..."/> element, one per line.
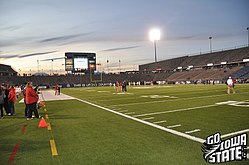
<point x="31" y="101"/>
<point x="12" y="100"/>
<point x="56" y="89"/>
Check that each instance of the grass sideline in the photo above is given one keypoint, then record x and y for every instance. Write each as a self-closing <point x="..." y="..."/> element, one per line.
<point x="88" y="135"/>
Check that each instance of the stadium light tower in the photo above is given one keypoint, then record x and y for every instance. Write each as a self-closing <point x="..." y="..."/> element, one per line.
<point x="247" y="36"/>
<point x="210" y="43"/>
<point x="154" y="37"/>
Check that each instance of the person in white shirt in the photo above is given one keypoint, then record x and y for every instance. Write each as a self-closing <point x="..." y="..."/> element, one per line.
<point x="230" y="85"/>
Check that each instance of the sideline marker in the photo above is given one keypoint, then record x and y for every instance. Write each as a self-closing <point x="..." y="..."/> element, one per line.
<point x="53" y="148"/>
<point x="42" y="123"/>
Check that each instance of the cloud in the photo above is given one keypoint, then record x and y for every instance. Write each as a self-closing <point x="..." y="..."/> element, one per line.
<point x="11" y="28"/>
<point x="25" y="55"/>
<point x="64" y="38"/>
<point x="8" y="56"/>
<point x="119" y="48"/>
<point x="35" y="54"/>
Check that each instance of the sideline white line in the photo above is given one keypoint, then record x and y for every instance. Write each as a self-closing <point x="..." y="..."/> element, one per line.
<point x="196" y="130"/>
<point x="173" y="126"/>
<point x="176" y="110"/>
<point x="234" y="133"/>
<point x="149" y="118"/>
<point x="193" y="138"/>
<point x="157" y="122"/>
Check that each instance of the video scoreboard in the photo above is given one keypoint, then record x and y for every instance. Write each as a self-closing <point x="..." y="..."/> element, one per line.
<point x="77" y="62"/>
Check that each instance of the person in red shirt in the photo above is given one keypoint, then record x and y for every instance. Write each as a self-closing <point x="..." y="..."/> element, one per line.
<point x="121" y="87"/>
<point x="12" y="100"/>
<point x="56" y="89"/>
<point x="31" y="101"/>
<point x="116" y="86"/>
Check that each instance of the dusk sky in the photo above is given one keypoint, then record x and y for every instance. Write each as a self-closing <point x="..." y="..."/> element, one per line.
<point x="32" y="30"/>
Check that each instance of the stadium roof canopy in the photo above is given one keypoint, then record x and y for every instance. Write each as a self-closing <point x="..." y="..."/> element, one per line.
<point x="6" y="70"/>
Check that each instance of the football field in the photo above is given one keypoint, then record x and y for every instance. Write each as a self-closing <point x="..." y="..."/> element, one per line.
<point x="146" y="125"/>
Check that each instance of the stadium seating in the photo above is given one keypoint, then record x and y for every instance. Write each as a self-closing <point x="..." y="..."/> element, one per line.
<point x="171" y="70"/>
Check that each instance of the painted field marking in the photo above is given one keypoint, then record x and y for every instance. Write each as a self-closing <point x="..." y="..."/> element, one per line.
<point x="157" y="96"/>
<point x="174" y="126"/>
<point x="243" y="103"/>
<point x="226" y="102"/>
<point x="123" y="93"/>
<point x="234" y="133"/>
<point x="104" y="91"/>
<point x="117" y="108"/>
<point x="193" y="138"/>
<point x="149" y="118"/>
<point x="176" y="110"/>
<point x="53" y="148"/>
<point x="13" y="154"/>
<point x="49" y="127"/>
<point x="161" y="101"/>
<point x="23" y="129"/>
<point x="157" y="122"/>
<point x="196" y="130"/>
<point x="123" y="111"/>
<point x="129" y="113"/>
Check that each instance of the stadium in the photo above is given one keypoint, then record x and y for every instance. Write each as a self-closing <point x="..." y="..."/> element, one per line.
<point x="172" y="110"/>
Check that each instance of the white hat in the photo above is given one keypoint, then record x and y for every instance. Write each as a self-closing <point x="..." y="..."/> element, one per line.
<point x="229" y="77"/>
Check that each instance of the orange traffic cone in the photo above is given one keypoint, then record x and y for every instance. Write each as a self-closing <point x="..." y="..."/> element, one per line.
<point x="42" y="123"/>
<point x="41" y="104"/>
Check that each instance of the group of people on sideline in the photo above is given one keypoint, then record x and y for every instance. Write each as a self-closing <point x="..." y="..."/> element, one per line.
<point x="8" y="99"/>
<point x="122" y="86"/>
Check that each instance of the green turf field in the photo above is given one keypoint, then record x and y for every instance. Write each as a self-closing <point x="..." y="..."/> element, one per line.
<point x="147" y="125"/>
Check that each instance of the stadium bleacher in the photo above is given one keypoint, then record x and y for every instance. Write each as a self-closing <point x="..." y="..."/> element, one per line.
<point x="223" y="64"/>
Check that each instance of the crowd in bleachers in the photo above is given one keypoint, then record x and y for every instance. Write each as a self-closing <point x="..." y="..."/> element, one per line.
<point x="212" y="66"/>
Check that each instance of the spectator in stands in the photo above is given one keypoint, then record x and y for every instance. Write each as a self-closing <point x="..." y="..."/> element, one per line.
<point x="230" y="85"/>
<point x="12" y="100"/>
<point x="31" y="101"/>
<point x="1" y="101"/>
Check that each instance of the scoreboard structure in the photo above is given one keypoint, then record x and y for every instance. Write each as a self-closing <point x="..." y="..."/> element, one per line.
<point x="76" y="62"/>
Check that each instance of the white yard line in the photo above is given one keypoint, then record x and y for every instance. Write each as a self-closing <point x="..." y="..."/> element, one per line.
<point x="157" y="122"/>
<point x="195" y="130"/>
<point x="161" y="101"/>
<point x="129" y="113"/>
<point x="193" y="138"/>
<point x="149" y="118"/>
<point x="123" y="111"/>
<point x="173" y="126"/>
<point x="176" y="110"/>
<point x="234" y="133"/>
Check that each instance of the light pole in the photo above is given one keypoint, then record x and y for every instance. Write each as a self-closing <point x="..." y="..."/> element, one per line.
<point x="247" y="36"/>
<point x="154" y="37"/>
<point x="107" y="61"/>
<point x="119" y="61"/>
<point x="210" y="44"/>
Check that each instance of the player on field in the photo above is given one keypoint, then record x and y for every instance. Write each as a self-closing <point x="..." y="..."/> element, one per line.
<point x="121" y="87"/>
<point x="116" y="86"/>
<point x="230" y="85"/>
